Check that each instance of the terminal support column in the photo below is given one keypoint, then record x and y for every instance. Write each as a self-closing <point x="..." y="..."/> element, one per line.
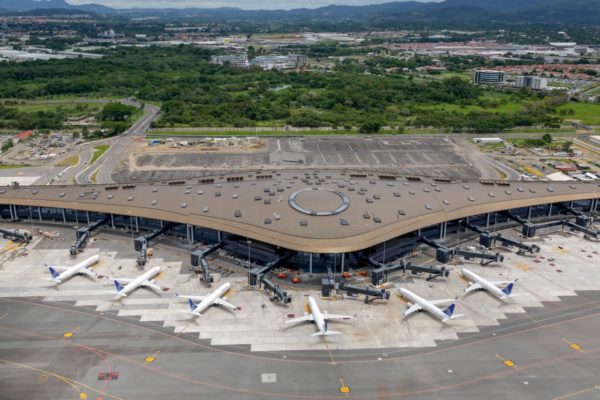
<point x="40" y="213"/>
<point x="64" y="214"/>
<point x="310" y="263"/>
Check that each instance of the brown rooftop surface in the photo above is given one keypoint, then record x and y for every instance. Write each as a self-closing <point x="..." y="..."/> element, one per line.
<point x="335" y="211"/>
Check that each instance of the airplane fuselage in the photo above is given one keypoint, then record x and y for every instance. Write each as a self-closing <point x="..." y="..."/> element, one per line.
<point x="317" y="315"/>
<point x="137" y="282"/>
<point x="424" y="303"/>
<point x="484" y="283"/>
<point x="76" y="269"/>
<point x="210" y="299"/>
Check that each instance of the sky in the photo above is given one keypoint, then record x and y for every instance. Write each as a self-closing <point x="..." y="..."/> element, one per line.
<point x="245" y="4"/>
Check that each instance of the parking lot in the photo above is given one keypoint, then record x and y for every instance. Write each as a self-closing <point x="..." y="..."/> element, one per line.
<point x="417" y="156"/>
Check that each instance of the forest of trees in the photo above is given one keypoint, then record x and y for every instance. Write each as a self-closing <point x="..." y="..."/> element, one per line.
<point x="194" y="92"/>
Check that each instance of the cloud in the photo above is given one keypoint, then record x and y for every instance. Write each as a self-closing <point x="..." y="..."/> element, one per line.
<point x="246" y="4"/>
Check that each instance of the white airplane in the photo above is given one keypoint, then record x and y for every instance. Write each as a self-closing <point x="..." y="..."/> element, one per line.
<point x="418" y="303"/>
<point x="144" y="280"/>
<point x="197" y="309"/>
<point x="319" y="318"/>
<point x="61" y="274"/>
<point x="476" y="282"/>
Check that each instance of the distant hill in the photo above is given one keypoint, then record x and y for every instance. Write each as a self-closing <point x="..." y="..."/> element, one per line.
<point x="29" y="5"/>
<point x="395" y="13"/>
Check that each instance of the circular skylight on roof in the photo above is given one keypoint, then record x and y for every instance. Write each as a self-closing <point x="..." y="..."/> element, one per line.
<point x="319" y="202"/>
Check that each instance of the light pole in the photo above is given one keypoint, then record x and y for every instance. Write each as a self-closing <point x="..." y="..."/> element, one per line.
<point x="248" y="242"/>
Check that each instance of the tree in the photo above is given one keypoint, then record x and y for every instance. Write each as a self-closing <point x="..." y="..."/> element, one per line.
<point x="547" y="138"/>
<point x="116" y="112"/>
<point x="7" y="145"/>
<point x="371" y="126"/>
<point x="566" y="146"/>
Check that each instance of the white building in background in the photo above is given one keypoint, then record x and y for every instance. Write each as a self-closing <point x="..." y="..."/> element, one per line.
<point x="595" y="139"/>
<point x="235" y="60"/>
<point x="489" y="77"/>
<point x="533" y="82"/>
<point x="488" y="140"/>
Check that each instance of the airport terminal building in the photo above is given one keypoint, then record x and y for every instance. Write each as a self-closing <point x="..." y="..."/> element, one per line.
<point x="311" y="219"/>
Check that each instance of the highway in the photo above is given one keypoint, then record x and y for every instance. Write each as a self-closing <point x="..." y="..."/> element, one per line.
<point x="106" y="164"/>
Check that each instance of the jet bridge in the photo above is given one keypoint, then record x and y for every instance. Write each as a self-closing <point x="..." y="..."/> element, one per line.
<point x="256" y="277"/>
<point x="380" y="271"/>
<point x="278" y="293"/>
<point x="82" y="235"/>
<point x="141" y="243"/>
<point x="200" y="264"/>
<point x="15" y="235"/>
<point x="370" y="293"/>
<point x="445" y="254"/>
<point x="581" y="224"/>
<point x="488" y="239"/>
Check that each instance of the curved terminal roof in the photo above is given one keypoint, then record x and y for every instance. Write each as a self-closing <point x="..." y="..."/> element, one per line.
<point x="312" y="211"/>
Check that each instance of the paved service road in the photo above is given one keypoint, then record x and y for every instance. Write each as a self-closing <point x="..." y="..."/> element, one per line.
<point x="106" y="164"/>
<point x="51" y="350"/>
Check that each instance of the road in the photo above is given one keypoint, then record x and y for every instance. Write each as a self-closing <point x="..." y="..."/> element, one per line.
<point x="106" y="164"/>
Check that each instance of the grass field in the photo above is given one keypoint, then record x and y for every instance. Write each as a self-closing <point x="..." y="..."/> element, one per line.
<point x="98" y="151"/>
<point x="70" y="108"/>
<point x="10" y="166"/>
<point x="587" y="113"/>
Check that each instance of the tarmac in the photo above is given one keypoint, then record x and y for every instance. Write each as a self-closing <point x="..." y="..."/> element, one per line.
<point x="54" y="342"/>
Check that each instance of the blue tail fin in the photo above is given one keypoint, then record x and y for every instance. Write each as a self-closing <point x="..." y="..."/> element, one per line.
<point x="192" y="304"/>
<point x="53" y="272"/>
<point x="118" y="286"/>
<point x="450" y="310"/>
<point x="508" y="289"/>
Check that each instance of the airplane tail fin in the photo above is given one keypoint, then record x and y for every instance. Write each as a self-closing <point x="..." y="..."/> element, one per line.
<point x="508" y="289"/>
<point x="118" y="286"/>
<point x="193" y="305"/>
<point x="53" y="272"/>
<point x="450" y="310"/>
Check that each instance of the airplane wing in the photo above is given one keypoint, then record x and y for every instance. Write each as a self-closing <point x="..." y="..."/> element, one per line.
<point x="153" y="286"/>
<point x="413" y="309"/>
<point x="123" y="281"/>
<point x="440" y="302"/>
<point x="89" y="272"/>
<point x="501" y="283"/>
<point x="337" y="316"/>
<point x="474" y="286"/>
<point x="195" y="298"/>
<point x="225" y="303"/>
<point x="306" y="318"/>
